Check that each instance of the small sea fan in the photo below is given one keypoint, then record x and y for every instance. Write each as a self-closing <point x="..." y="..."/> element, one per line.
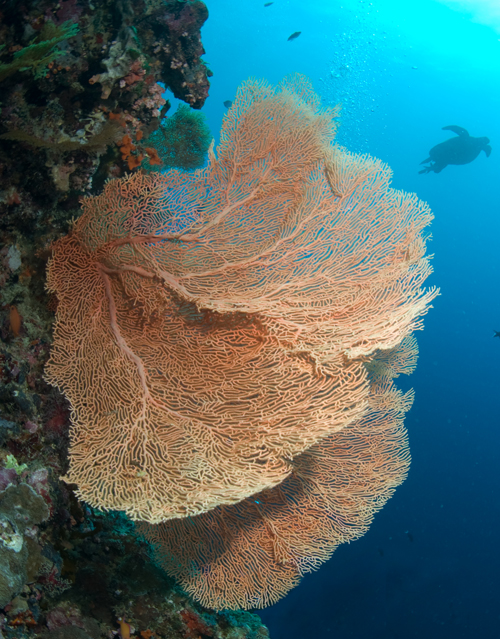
<point x="181" y="141"/>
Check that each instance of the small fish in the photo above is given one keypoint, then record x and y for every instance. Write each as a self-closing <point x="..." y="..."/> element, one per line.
<point x="268" y="4"/>
<point x="294" y="35"/>
<point x="228" y="104"/>
<point x="15" y="321"/>
<point x="124" y="629"/>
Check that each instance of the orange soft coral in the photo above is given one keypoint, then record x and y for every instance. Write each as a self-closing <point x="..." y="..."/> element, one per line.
<point x="153" y="156"/>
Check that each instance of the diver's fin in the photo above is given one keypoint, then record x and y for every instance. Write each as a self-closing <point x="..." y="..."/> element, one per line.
<point x="425" y="161"/>
<point x="427" y="169"/>
<point x="459" y="130"/>
<point x="487" y="150"/>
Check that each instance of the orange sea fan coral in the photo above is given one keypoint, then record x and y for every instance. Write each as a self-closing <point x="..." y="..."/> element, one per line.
<point x="251" y="554"/>
<point x="214" y="325"/>
<point x="180" y="409"/>
<point x="396" y="361"/>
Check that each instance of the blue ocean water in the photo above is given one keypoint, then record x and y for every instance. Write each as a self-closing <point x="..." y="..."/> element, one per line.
<point x="430" y="563"/>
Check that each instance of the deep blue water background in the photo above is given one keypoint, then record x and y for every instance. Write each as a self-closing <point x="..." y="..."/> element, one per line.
<point x="430" y="564"/>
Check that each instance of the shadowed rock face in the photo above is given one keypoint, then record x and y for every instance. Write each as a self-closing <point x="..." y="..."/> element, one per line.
<point x="20" y="508"/>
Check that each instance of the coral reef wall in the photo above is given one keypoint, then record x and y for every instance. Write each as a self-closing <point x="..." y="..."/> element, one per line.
<point x="77" y="78"/>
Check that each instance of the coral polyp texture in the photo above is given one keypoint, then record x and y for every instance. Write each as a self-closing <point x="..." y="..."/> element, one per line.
<point x="214" y="336"/>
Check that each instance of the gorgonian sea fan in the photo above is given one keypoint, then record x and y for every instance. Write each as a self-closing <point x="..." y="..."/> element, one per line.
<point x="214" y="325"/>
<point x="250" y="554"/>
